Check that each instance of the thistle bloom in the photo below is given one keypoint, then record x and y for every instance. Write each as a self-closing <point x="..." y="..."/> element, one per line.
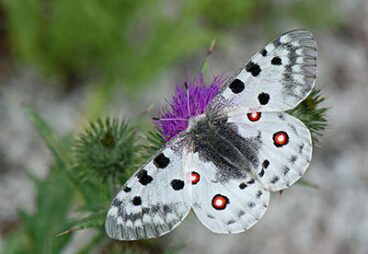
<point x="190" y="91"/>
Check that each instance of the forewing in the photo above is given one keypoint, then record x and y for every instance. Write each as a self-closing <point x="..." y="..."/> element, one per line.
<point x="155" y="199"/>
<point x="229" y="205"/>
<point x="277" y="77"/>
<point x="285" y="149"/>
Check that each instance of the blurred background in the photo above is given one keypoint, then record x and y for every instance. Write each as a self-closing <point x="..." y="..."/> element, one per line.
<point x="74" y="61"/>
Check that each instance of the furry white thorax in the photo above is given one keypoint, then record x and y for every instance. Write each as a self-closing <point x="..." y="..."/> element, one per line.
<point x="193" y="121"/>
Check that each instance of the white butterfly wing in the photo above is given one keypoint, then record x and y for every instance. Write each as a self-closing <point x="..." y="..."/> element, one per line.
<point x="276" y="78"/>
<point x="154" y="200"/>
<point x="285" y="147"/>
<point x="225" y="205"/>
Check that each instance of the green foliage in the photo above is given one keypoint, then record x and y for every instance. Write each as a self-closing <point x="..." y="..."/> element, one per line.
<point x="40" y="228"/>
<point x="106" y="149"/>
<point x="314" y="13"/>
<point x="105" y="39"/>
<point x="223" y="13"/>
<point x="154" y="141"/>
<point x="65" y="187"/>
<point x="312" y="114"/>
<point x="307" y="183"/>
<point x="130" y="41"/>
<point x="95" y="220"/>
<point x="63" y="161"/>
<point x="50" y="138"/>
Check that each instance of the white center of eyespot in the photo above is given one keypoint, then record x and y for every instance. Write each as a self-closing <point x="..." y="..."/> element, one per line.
<point x="219" y="202"/>
<point x="281" y="138"/>
<point x="193" y="177"/>
<point x="254" y="115"/>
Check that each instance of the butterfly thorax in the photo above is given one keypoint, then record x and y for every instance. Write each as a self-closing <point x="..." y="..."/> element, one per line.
<point x="195" y="122"/>
<point x="204" y="124"/>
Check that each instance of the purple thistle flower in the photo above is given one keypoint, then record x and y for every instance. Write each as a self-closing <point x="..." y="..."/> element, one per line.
<point x="199" y="96"/>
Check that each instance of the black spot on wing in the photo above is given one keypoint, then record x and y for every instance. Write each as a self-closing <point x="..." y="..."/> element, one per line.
<point x="261" y="173"/>
<point x="263" y="98"/>
<point x="242" y="186"/>
<point x="266" y="163"/>
<point x="143" y="177"/>
<point x="237" y="86"/>
<point x="264" y="52"/>
<point x="252" y="181"/>
<point x="161" y="161"/>
<point x="137" y="201"/>
<point x="253" y="68"/>
<point x="177" y="184"/>
<point x="276" y="61"/>
<point x="126" y="189"/>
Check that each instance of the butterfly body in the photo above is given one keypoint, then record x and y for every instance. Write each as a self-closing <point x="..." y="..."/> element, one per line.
<point x="229" y="159"/>
<point x="216" y="140"/>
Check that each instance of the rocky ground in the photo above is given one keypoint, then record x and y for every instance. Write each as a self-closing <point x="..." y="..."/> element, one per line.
<point x="303" y="220"/>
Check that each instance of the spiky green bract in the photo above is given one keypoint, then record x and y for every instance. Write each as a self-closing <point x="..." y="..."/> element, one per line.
<point x="312" y="114"/>
<point x="154" y="142"/>
<point x="106" y="149"/>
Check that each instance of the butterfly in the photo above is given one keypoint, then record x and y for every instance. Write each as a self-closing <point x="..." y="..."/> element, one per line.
<point x="229" y="159"/>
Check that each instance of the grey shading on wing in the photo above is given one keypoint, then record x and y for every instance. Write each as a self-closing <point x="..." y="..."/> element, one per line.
<point x="285" y="147"/>
<point x="226" y="204"/>
<point x="276" y="78"/>
<point x="155" y="199"/>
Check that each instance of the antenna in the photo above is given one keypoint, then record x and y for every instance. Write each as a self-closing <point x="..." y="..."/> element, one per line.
<point x="188" y="101"/>
<point x="168" y="119"/>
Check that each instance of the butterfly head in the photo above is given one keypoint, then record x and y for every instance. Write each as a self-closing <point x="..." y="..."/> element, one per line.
<point x="197" y="122"/>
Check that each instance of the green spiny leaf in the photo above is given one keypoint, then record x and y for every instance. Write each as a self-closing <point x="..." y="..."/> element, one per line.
<point x="155" y="141"/>
<point x="60" y="153"/>
<point x="312" y="114"/>
<point x="49" y="137"/>
<point x="307" y="183"/>
<point x="94" y="220"/>
<point x="53" y="201"/>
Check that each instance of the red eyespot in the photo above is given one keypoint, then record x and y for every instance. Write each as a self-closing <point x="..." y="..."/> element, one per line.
<point x="219" y="202"/>
<point x="194" y="177"/>
<point x="280" y="138"/>
<point x="254" y="116"/>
